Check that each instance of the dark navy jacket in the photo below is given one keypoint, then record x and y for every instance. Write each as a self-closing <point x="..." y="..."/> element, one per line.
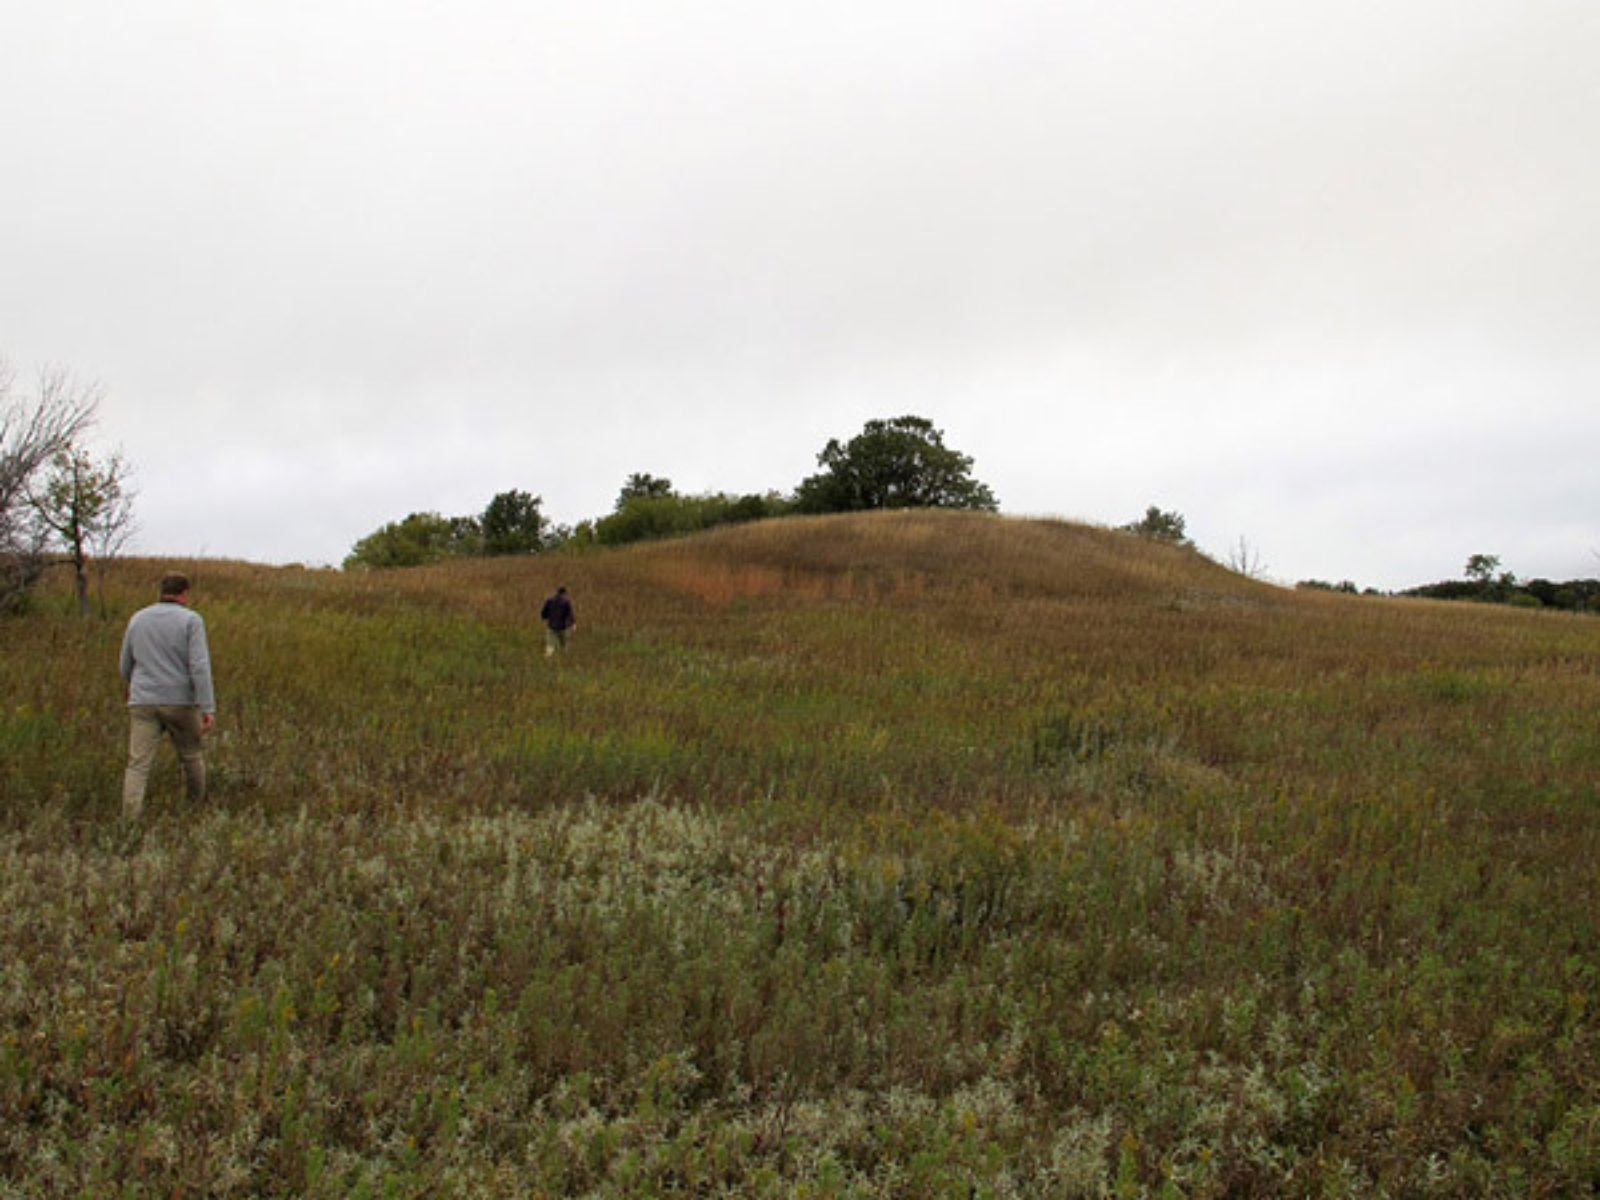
<point x="557" y="613"/>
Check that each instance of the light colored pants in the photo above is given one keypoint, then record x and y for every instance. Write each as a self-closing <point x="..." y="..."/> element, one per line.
<point x="555" y="641"/>
<point x="146" y="725"/>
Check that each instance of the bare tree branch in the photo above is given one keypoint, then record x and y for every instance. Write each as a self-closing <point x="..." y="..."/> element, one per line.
<point x="1246" y="560"/>
<point x="34" y="430"/>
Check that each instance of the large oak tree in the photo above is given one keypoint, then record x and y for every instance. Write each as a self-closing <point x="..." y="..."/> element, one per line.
<point x="897" y="463"/>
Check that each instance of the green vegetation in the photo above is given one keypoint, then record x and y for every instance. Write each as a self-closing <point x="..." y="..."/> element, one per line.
<point x="898" y="463"/>
<point x="901" y="853"/>
<point x="1487" y="584"/>
<point x="657" y="514"/>
<point x="88" y="506"/>
<point x="513" y="524"/>
<point x="1160" y="526"/>
<point x="418" y="539"/>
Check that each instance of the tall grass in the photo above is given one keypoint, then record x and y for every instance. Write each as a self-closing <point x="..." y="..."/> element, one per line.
<point x="913" y="854"/>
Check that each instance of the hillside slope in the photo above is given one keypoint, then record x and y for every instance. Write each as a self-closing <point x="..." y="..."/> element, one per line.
<point x="926" y="650"/>
<point x="910" y="853"/>
<point x="975" y="566"/>
<point x="885" y="552"/>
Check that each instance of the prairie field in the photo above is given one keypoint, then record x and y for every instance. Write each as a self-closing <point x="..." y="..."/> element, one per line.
<point x="902" y="854"/>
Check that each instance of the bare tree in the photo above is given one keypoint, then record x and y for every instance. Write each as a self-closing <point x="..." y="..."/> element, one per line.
<point x="33" y="431"/>
<point x="1246" y="560"/>
<point x="89" y="507"/>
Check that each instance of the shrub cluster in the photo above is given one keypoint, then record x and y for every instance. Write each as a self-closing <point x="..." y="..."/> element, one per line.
<point x="643" y="518"/>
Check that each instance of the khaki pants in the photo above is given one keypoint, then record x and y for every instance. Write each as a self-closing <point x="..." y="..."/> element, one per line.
<point x="555" y="642"/>
<point x="147" y="724"/>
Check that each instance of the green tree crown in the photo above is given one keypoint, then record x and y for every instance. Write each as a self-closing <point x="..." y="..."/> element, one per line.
<point x="513" y="524"/>
<point x="1159" y="526"/>
<point x="640" y="486"/>
<point x="424" y="537"/>
<point x="902" y="462"/>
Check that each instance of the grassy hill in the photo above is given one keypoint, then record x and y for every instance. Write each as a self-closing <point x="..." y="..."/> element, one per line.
<point x="902" y="853"/>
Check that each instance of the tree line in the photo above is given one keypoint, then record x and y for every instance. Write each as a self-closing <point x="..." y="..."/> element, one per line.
<point x="63" y="504"/>
<point x="898" y="462"/>
<point x="1486" y="583"/>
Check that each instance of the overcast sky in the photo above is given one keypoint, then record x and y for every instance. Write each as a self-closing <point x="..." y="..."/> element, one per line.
<point x="1322" y="276"/>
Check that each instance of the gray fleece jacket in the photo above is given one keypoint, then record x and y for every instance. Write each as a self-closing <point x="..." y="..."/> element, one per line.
<point x="165" y="659"/>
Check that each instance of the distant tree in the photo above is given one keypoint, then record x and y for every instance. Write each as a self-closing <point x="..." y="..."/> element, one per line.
<point x="421" y="538"/>
<point x="513" y="524"/>
<point x="644" y="518"/>
<point x="1481" y="570"/>
<point x="1160" y="526"/>
<point x="1572" y="595"/>
<point x="897" y="463"/>
<point x="639" y="486"/>
<point x="33" y="431"/>
<point x="1345" y="586"/>
<point x="753" y="506"/>
<point x="1448" y="589"/>
<point x="89" y="507"/>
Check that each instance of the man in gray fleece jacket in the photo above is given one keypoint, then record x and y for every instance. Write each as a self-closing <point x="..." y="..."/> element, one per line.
<point x="166" y="666"/>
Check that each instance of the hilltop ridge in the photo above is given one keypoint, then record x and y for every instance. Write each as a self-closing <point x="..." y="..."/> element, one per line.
<point x="885" y="552"/>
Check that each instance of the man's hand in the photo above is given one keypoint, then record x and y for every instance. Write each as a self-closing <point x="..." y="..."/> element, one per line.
<point x="207" y="720"/>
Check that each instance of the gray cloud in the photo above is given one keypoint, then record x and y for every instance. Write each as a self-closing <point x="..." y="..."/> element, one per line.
<point x="1319" y="275"/>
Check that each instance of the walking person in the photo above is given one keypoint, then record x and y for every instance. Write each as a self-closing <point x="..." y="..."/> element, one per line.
<point x="559" y="621"/>
<point x="166" y="668"/>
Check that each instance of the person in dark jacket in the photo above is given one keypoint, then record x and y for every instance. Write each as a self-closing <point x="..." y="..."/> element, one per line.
<point x="559" y="620"/>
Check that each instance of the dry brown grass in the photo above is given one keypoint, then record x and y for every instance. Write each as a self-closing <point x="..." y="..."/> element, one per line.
<point x="906" y="853"/>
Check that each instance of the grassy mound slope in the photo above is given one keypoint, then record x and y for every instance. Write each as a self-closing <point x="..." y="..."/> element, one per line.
<point x="904" y="853"/>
